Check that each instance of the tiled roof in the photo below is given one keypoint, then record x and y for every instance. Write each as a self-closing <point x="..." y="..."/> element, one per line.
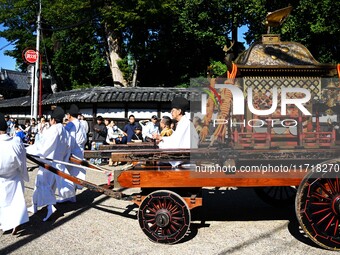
<point x="107" y="94"/>
<point x="14" y="80"/>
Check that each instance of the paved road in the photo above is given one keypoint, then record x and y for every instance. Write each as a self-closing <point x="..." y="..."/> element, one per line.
<point x="236" y="222"/>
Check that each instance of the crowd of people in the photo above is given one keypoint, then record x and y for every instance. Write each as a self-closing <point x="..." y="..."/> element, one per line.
<point x="63" y="135"/>
<point x="105" y="131"/>
<point x="150" y="130"/>
<point x="33" y="129"/>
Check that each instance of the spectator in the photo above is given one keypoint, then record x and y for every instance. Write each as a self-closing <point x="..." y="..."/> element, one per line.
<point x="27" y="126"/>
<point x="165" y="126"/>
<point x="83" y="122"/>
<point x="8" y="123"/>
<point x="100" y="131"/>
<point x="41" y="127"/>
<point x="12" y="128"/>
<point x="27" y="131"/>
<point x="114" y="134"/>
<point x="99" y="137"/>
<point x="32" y="131"/>
<point x="129" y="129"/>
<point x="150" y="128"/>
<point x="65" y="121"/>
<point x="19" y="132"/>
<point x="173" y="124"/>
<point x="197" y="124"/>
<point x="108" y="125"/>
<point x="137" y="137"/>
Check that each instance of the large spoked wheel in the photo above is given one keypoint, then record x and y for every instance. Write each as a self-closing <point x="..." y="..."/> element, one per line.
<point x="164" y="217"/>
<point x="277" y="195"/>
<point x="318" y="208"/>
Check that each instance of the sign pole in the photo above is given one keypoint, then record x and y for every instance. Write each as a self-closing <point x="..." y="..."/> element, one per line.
<point x="30" y="56"/>
<point x="31" y="70"/>
<point x="40" y="86"/>
<point x="36" y="78"/>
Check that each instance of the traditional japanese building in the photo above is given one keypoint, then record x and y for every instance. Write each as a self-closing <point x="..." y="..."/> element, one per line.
<point x="110" y="102"/>
<point x="13" y="84"/>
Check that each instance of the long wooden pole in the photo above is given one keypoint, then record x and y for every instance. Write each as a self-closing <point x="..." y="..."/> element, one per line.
<point x="86" y="184"/>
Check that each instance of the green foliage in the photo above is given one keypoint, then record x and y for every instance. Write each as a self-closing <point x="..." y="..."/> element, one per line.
<point x="182" y="85"/>
<point x="126" y="68"/>
<point x="312" y="23"/>
<point x="170" y="41"/>
<point x="199" y="82"/>
<point x="217" y="68"/>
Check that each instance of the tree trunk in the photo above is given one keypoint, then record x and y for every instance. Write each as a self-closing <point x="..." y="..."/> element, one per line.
<point x="134" y="76"/>
<point x="113" y="57"/>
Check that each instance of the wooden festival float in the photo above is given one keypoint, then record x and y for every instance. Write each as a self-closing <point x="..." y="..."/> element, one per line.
<point x="286" y="156"/>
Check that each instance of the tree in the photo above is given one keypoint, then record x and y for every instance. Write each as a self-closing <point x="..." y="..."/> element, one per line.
<point x="152" y="42"/>
<point x="309" y="23"/>
<point x="20" y="18"/>
<point x="70" y="47"/>
<point x="169" y="41"/>
<point x="312" y="24"/>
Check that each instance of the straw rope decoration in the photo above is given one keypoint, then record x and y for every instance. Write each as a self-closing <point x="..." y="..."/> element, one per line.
<point x="224" y="100"/>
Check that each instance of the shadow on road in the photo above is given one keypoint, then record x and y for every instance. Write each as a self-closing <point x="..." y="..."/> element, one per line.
<point x="36" y="227"/>
<point x="218" y="205"/>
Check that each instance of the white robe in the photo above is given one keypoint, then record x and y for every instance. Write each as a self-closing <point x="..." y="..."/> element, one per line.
<point x="54" y="144"/>
<point x="77" y="140"/>
<point x="184" y="137"/>
<point x="13" y="173"/>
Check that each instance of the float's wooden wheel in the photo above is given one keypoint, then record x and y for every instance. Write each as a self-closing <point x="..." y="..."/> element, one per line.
<point x="318" y="208"/>
<point x="277" y="195"/>
<point x="164" y="217"/>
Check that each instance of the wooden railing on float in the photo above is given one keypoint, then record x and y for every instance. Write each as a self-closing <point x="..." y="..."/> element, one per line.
<point x="317" y="139"/>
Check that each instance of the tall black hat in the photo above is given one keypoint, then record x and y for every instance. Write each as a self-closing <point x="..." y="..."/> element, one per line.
<point x="180" y="103"/>
<point x="58" y="114"/>
<point x="74" y="110"/>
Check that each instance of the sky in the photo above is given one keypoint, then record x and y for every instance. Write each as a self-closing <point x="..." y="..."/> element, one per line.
<point x="10" y="64"/>
<point x="5" y="61"/>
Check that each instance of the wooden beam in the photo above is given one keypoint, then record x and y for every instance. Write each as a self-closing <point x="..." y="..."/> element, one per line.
<point x="191" y="179"/>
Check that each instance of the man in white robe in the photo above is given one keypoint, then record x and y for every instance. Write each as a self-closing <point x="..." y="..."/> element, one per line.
<point x="13" y="173"/>
<point x="77" y="142"/>
<point x="54" y="144"/>
<point x="185" y="135"/>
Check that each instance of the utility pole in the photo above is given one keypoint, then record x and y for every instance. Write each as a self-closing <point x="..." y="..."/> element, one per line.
<point x="31" y="72"/>
<point x="36" y="78"/>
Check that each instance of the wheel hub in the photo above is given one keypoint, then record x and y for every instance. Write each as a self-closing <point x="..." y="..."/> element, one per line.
<point x="162" y="218"/>
<point x="336" y="205"/>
